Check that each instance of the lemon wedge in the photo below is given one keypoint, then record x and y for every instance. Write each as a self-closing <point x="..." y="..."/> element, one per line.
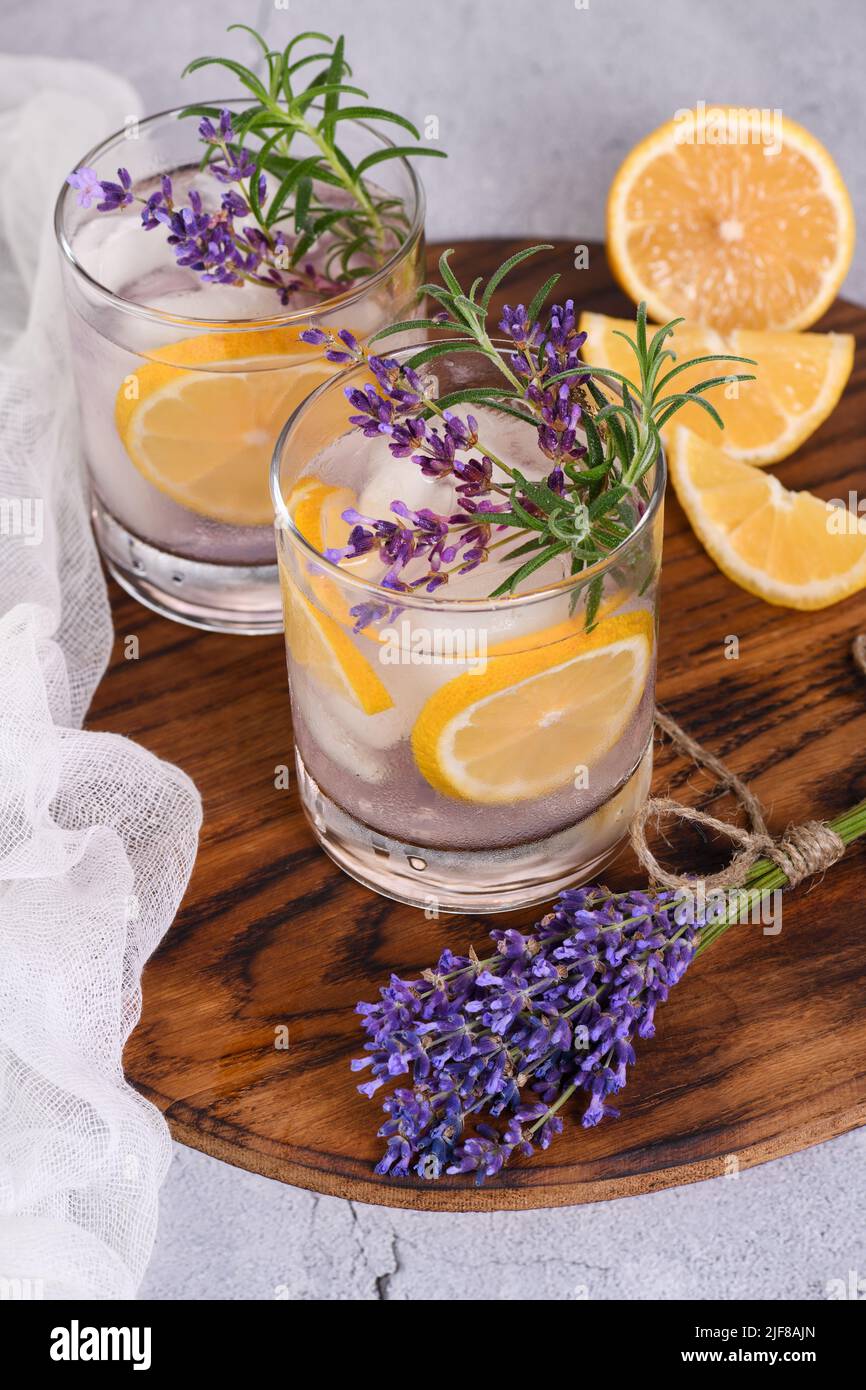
<point x="789" y="548"/>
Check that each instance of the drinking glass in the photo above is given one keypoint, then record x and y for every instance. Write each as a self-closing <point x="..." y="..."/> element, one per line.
<point x="183" y="386"/>
<point x="455" y="751"/>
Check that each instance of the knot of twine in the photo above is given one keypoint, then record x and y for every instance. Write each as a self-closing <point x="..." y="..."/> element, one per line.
<point x="803" y="849"/>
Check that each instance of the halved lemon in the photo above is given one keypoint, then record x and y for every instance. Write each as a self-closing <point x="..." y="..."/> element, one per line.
<point x="201" y="423"/>
<point x="798" y="381"/>
<point x="789" y="548"/>
<point x="732" y="219"/>
<point x="522" y="727"/>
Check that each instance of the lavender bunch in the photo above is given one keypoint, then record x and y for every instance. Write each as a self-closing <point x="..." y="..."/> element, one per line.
<point x="276" y="248"/>
<point x="597" y="430"/>
<point x="513" y="1037"/>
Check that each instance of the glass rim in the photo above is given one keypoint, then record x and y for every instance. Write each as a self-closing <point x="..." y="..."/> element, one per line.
<point x="283" y="520"/>
<point x="129" y="306"/>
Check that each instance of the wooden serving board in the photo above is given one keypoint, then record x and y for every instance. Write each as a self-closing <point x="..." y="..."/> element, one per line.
<point x="762" y="1049"/>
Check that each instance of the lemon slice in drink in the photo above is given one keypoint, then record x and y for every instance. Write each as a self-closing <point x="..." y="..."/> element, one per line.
<point x="201" y="423"/>
<point x="521" y="728"/>
<point x="317" y="636"/>
<point x="787" y="547"/>
<point x="324" y="648"/>
<point x="317" y="510"/>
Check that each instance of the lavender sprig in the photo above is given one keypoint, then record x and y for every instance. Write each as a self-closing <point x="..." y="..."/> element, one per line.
<point x="513" y="1037"/>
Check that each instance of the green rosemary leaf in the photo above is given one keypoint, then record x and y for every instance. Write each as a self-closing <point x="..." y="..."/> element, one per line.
<point x="709" y="357"/>
<point x="303" y="194"/>
<point x="272" y="58"/>
<point x="407" y="325"/>
<point x="281" y="167"/>
<point x="396" y="152"/>
<point x="491" y="396"/>
<point x="610" y="410"/>
<point x="258" y="38"/>
<point x="434" y="350"/>
<point x="539" y="493"/>
<point x="436" y="292"/>
<point x="618" y="333"/>
<point x="594" y="592"/>
<point x="314" y="58"/>
<point x="249" y="79"/>
<point x="328" y="90"/>
<point x="525" y="518"/>
<point x="656" y="352"/>
<point x="212" y="112"/>
<point x="524" y="571"/>
<point x="349" y="249"/>
<point x="707" y="385"/>
<point x="447" y="273"/>
<point x="594" y="451"/>
<point x="651" y="574"/>
<point x="607" y="501"/>
<point x="499" y="275"/>
<point x="527" y="548"/>
<point x="640" y="331"/>
<point x="376" y="113"/>
<point x="256" y="120"/>
<point x="332" y="97"/>
<point x="585" y="476"/>
<point x="504" y="519"/>
<point x="301" y="170"/>
<point x="602" y="372"/>
<point x="676" y="402"/>
<point x="300" y="38"/>
<point x="538" y="299"/>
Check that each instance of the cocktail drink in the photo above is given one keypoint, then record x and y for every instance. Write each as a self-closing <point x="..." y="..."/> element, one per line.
<point x="196" y="248"/>
<point x="469" y="536"/>
<point x="459" y="751"/>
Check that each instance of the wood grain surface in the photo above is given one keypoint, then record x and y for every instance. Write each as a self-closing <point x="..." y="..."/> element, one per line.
<point x="762" y="1049"/>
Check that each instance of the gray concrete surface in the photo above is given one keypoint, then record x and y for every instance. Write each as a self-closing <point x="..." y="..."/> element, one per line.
<point x="537" y="104"/>
<point x="790" y="1229"/>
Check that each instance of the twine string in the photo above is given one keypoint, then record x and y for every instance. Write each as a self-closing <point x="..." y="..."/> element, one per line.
<point x="801" y="851"/>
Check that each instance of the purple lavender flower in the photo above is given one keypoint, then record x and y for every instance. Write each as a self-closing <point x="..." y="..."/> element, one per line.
<point x="117" y="195"/>
<point x="86" y="184"/>
<point x="518" y="1034"/>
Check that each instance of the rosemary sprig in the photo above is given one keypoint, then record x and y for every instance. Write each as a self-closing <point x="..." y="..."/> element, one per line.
<point x="599" y="429"/>
<point x="301" y="96"/>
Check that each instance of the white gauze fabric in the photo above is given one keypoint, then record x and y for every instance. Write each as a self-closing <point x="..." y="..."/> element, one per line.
<point x="97" y="836"/>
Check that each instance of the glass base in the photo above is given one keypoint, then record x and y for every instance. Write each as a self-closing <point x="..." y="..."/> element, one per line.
<point x="476" y="881"/>
<point x="244" y="599"/>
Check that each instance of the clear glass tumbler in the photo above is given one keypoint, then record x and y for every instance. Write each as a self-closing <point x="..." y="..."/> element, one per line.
<point x="454" y="751"/>
<point x="183" y="386"/>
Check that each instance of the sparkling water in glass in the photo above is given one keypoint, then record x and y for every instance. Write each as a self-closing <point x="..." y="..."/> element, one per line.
<point x="183" y="386"/>
<point x="459" y="753"/>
